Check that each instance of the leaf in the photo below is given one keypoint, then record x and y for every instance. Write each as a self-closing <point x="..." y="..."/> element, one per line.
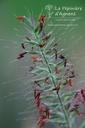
<point x="36" y="29"/>
<point x="44" y="69"/>
<point x="54" y="116"/>
<point x="67" y="94"/>
<point x="47" y="87"/>
<point x="41" y="79"/>
<point x="58" y="78"/>
<point x="48" y="52"/>
<point x="31" y="42"/>
<point x="38" y="71"/>
<point x="33" y="52"/>
<point x="54" y="105"/>
<point x="47" y="97"/>
<point x="59" y="63"/>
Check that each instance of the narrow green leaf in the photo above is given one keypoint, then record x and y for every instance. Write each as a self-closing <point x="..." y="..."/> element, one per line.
<point x="40" y="68"/>
<point x="31" y="42"/>
<point x="58" y="78"/>
<point x="33" y="52"/>
<point x="54" y="105"/>
<point x="38" y="71"/>
<point x="41" y="79"/>
<point x="48" y="52"/>
<point x="47" y="87"/>
<point x="47" y="97"/>
<point x="54" y="116"/>
<point x="36" y="29"/>
<point x="59" y="63"/>
<point x="67" y="94"/>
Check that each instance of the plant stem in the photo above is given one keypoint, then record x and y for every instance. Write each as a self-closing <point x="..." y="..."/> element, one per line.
<point x="59" y="98"/>
<point x="66" y="118"/>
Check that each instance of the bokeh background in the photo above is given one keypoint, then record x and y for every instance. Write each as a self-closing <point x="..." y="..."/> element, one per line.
<point x="12" y="73"/>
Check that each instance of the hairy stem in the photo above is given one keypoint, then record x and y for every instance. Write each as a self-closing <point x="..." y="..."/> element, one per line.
<point x="59" y="98"/>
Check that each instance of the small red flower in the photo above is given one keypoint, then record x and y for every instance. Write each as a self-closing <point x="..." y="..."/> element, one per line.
<point x="27" y="38"/>
<point x="41" y="45"/>
<point x="36" y="82"/>
<point x="47" y="112"/>
<point x="34" y="58"/>
<point x="23" y="45"/>
<point x="68" y="106"/>
<point x="43" y="110"/>
<point x="68" y="81"/>
<point x="38" y="102"/>
<point x="41" y="18"/>
<point x="21" y="55"/>
<point x="76" y="101"/>
<point x="20" y="18"/>
<point x="83" y="93"/>
<point x="80" y="95"/>
<point x="41" y="121"/>
<point x="77" y="111"/>
<point x="65" y="62"/>
<point x="40" y="27"/>
<point x="57" y="88"/>
<point x="37" y="94"/>
<point x="47" y="37"/>
<point x="62" y="57"/>
<point x="56" y="70"/>
<point x="40" y="110"/>
<point x="45" y="80"/>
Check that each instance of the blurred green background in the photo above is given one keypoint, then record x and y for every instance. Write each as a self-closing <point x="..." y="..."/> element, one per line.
<point x="14" y="72"/>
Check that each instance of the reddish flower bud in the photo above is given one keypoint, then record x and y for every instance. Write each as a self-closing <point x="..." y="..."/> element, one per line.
<point x="68" y="106"/>
<point x="47" y="37"/>
<point x="47" y="112"/>
<point x="41" y="121"/>
<point x="45" y="80"/>
<point x="56" y="70"/>
<point x="41" y="45"/>
<point x="69" y="81"/>
<point x="34" y="58"/>
<point x="83" y="94"/>
<point x="36" y="82"/>
<point x="21" y="55"/>
<point x="20" y="18"/>
<point x="65" y="62"/>
<point x="41" y="18"/>
<point x="58" y="87"/>
<point x="77" y="111"/>
<point x="23" y="45"/>
<point x="61" y="57"/>
<point x="27" y="38"/>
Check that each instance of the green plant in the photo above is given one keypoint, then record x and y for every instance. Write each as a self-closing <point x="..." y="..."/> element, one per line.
<point x="54" y="75"/>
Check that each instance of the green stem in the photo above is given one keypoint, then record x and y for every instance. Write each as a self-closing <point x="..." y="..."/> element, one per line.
<point x="66" y="118"/>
